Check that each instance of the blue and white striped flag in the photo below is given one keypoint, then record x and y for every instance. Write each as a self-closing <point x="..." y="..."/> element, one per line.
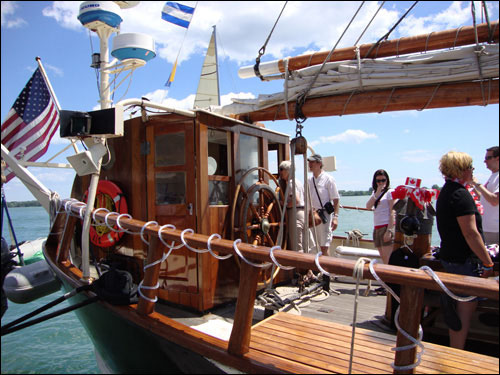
<point x="177" y="14"/>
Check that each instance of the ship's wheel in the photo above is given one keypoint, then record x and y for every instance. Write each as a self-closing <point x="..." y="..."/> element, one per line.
<point x="256" y="216"/>
<point x="256" y="212"/>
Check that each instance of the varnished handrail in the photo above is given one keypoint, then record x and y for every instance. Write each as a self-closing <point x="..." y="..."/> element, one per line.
<point x="413" y="281"/>
<point x="390" y="274"/>
<point x="356" y="208"/>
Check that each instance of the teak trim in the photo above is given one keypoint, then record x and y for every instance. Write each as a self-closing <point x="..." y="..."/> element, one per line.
<point x="413" y="281"/>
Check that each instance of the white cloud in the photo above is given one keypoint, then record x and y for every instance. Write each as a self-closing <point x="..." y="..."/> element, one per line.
<point x="65" y="13"/>
<point x="349" y="136"/>
<point x="243" y="27"/>
<point x="455" y="15"/>
<point x="234" y="20"/>
<point x="8" y="20"/>
<point x="54" y="69"/>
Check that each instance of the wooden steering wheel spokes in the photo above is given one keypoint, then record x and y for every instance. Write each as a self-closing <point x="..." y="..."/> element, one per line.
<point x="260" y="216"/>
<point x="256" y="211"/>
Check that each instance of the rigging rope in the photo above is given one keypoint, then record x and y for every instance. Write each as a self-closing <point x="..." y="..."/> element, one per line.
<point x="263" y="48"/>
<point x="299" y="115"/>
<point x="390" y="31"/>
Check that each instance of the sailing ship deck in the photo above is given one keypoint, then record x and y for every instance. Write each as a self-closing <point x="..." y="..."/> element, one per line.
<point x="316" y="337"/>
<point x="300" y="344"/>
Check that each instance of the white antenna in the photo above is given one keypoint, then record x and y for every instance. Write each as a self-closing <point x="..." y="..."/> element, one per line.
<point x="132" y="50"/>
<point x="103" y="17"/>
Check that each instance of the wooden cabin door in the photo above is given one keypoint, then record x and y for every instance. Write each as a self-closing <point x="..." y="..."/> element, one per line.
<point x="171" y="197"/>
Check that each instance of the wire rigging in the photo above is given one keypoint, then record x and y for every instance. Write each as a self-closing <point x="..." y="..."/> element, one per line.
<point x="262" y="50"/>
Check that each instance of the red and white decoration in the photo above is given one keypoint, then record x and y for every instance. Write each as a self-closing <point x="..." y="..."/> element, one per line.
<point x="419" y="196"/>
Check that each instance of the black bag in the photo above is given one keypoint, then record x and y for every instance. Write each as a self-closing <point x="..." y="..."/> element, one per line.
<point x="329" y="207"/>
<point x="404" y="258"/>
<point x="116" y="287"/>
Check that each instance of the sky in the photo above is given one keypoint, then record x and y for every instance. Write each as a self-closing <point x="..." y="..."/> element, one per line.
<point x="405" y="143"/>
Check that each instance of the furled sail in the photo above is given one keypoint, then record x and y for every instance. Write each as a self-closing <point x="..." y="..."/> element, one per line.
<point x="208" y="88"/>
<point x="458" y="65"/>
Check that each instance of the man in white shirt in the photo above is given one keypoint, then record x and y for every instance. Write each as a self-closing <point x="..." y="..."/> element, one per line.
<point x="489" y="197"/>
<point x="323" y="189"/>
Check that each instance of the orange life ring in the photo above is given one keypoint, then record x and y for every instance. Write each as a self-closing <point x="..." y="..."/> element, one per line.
<point x="108" y="196"/>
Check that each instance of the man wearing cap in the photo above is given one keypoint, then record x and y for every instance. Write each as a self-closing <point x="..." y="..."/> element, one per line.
<point x="323" y="191"/>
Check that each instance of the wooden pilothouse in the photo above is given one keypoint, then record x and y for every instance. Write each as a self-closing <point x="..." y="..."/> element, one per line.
<point x="208" y="173"/>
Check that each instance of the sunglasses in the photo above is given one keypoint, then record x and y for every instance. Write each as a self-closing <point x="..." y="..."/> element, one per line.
<point x="381" y="180"/>
<point x="489" y="157"/>
<point x="282" y="169"/>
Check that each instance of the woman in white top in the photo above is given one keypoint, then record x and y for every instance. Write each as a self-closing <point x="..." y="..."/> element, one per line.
<point x="383" y="217"/>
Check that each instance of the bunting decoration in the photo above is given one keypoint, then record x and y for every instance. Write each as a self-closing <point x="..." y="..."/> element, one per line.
<point x="419" y="196"/>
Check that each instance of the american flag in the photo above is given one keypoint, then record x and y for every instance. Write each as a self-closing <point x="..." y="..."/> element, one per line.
<point x="31" y="122"/>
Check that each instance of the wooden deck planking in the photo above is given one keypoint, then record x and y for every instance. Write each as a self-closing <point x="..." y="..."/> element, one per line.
<point x="326" y="347"/>
<point x="367" y="338"/>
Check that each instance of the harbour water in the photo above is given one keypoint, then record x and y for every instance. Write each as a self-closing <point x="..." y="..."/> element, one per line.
<point x="61" y="345"/>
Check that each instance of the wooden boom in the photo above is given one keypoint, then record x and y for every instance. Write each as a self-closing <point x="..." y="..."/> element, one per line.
<point x="412" y="44"/>
<point x="396" y="99"/>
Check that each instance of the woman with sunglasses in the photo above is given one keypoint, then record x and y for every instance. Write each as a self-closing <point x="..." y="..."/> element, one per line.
<point x="462" y="249"/>
<point x="383" y="218"/>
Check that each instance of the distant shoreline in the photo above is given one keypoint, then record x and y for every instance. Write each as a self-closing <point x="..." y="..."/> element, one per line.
<point x="24" y="204"/>
<point x="343" y="193"/>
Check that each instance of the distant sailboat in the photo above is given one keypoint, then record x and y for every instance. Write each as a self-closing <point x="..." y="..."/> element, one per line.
<point x="208" y="88"/>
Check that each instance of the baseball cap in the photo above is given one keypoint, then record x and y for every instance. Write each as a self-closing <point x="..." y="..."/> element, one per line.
<point x="315" y="157"/>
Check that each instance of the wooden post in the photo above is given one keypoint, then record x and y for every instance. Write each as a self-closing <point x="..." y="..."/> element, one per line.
<point x="409" y="319"/>
<point x="239" y="342"/>
<point x="421" y="246"/>
<point x="63" y="248"/>
<point x="155" y="252"/>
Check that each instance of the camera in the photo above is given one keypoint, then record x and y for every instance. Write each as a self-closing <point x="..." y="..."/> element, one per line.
<point x="322" y="215"/>
<point x="328" y="207"/>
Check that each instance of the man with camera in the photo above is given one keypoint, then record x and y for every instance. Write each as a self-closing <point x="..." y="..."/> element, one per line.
<point x="323" y="191"/>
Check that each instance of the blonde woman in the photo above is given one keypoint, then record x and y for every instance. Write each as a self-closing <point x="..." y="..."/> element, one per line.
<point x="462" y="250"/>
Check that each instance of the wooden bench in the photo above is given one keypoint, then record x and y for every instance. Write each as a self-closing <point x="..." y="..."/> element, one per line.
<point x="309" y="345"/>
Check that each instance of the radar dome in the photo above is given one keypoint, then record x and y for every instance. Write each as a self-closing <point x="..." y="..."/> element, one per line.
<point x="127" y="4"/>
<point x="133" y="46"/>
<point x="99" y="13"/>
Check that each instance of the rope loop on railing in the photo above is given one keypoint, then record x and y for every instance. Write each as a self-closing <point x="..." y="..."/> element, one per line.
<point x="96" y="211"/>
<point x="435" y="277"/>
<point x="286" y="268"/>
<point x="171" y="247"/>
<point x="316" y="260"/>
<point x="108" y="225"/>
<point x="120" y="227"/>
<point x="210" y="248"/>
<point x="189" y="247"/>
<point x="416" y="342"/>
<point x="150" y="288"/>
<point x="144" y="227"/>
<point x="235" y="247"/>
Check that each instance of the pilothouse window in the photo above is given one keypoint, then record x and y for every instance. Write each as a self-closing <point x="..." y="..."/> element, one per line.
<point x="248" y="158"/>
<point x="218" y="168"/>
<point x="170" y="150"/>
<point x="171" y="188"/>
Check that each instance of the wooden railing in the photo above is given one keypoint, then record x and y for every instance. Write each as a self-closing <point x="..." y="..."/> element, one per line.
<point x="412" y="281"/>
